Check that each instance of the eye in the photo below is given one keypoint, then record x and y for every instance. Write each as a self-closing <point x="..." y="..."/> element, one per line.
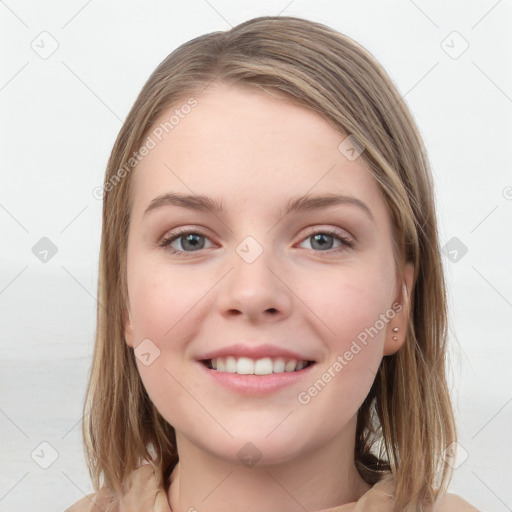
<point x="324" y="241"/>
<point x="190" y="241"/>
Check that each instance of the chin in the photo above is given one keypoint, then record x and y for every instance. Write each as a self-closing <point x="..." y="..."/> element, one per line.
<point x="249" y="446"/>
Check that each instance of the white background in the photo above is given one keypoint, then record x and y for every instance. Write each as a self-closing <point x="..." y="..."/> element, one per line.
<point x="59" y="119"/>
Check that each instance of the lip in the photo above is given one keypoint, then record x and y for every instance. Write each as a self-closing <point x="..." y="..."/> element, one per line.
<point x="254" y="352"/>
<point x="255" y="385"/>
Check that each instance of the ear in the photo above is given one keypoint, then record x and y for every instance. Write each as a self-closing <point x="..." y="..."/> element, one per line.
<point x="128" y="328"/>
<point x="396" y="329"/>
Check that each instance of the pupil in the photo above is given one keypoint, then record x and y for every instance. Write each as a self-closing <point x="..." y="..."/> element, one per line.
<point x="317" y="238"/>
<point x="192" y="239"/>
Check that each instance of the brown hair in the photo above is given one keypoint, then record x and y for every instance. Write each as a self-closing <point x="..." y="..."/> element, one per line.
<point x="406" y="421"/>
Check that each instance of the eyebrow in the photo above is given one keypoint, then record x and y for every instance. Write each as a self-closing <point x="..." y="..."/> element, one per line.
<point x="295" y="204"/>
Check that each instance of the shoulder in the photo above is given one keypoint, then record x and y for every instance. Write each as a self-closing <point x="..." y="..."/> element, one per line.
<point x="143" y="490"/>
<point x="454" y="503"/>
<point x="104" y="500"/>
<point x="382" y="497"/>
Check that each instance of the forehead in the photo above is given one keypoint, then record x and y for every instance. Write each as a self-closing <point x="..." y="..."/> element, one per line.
<point x="251" y="150"/>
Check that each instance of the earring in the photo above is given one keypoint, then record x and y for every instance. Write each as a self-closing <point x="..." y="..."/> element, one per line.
<point x="395" y="329"/>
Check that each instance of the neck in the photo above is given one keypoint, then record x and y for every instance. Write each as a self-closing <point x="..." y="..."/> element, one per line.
<point x="323" y="478"/>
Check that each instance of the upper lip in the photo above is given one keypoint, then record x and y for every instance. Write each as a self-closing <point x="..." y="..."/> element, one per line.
<point x="254" y="352"/>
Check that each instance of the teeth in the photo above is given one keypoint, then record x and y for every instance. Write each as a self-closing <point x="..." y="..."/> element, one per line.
<point x="264" y="366"/>
<point x="300" y="365"/>
<point x="244" y="366"/>
<point x="290" y="366"/>
<point x="279" y="365"/>
<point x="230" y="364"/>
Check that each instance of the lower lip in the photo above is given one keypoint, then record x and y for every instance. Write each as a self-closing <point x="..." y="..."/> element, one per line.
<point x="256" y="384"/>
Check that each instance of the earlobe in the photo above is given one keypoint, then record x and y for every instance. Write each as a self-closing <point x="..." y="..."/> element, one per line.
<point x="396" y="331"/>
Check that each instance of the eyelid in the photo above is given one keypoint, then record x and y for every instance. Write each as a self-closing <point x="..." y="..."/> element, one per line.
<point x="176" y="234"/>
<point x="333" y="230"/>
<point x="347" y="241"/>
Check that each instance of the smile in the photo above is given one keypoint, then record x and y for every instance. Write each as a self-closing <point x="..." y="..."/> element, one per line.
<point x="249" y="366"/>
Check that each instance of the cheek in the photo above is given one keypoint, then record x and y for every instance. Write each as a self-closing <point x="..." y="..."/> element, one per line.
<point x="166" y="306"/>
<point x="355" y="308"/>
<point x="357" y="311"/>
<point x="162" y="302"/>
<point x="353" y="304"/>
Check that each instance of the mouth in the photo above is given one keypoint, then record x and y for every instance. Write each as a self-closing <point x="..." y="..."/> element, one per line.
<point x="250" y="366"/>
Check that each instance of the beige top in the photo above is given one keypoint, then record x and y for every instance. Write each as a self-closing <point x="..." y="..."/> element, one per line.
<point x="146" y="493"/>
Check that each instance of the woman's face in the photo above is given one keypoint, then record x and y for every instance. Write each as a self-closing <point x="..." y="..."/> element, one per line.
<point x="267" y="279"/>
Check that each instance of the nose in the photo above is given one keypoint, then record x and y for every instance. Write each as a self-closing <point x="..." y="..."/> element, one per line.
<point x="256" y="290"/>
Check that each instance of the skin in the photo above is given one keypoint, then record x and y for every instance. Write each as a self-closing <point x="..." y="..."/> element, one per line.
<point x="253" y="152"/>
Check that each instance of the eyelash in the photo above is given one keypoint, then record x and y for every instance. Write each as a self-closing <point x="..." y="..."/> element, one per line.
<point x="165" y="243"/>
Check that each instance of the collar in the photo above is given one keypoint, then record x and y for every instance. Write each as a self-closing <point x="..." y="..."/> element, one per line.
<point x="145" y="490"/>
